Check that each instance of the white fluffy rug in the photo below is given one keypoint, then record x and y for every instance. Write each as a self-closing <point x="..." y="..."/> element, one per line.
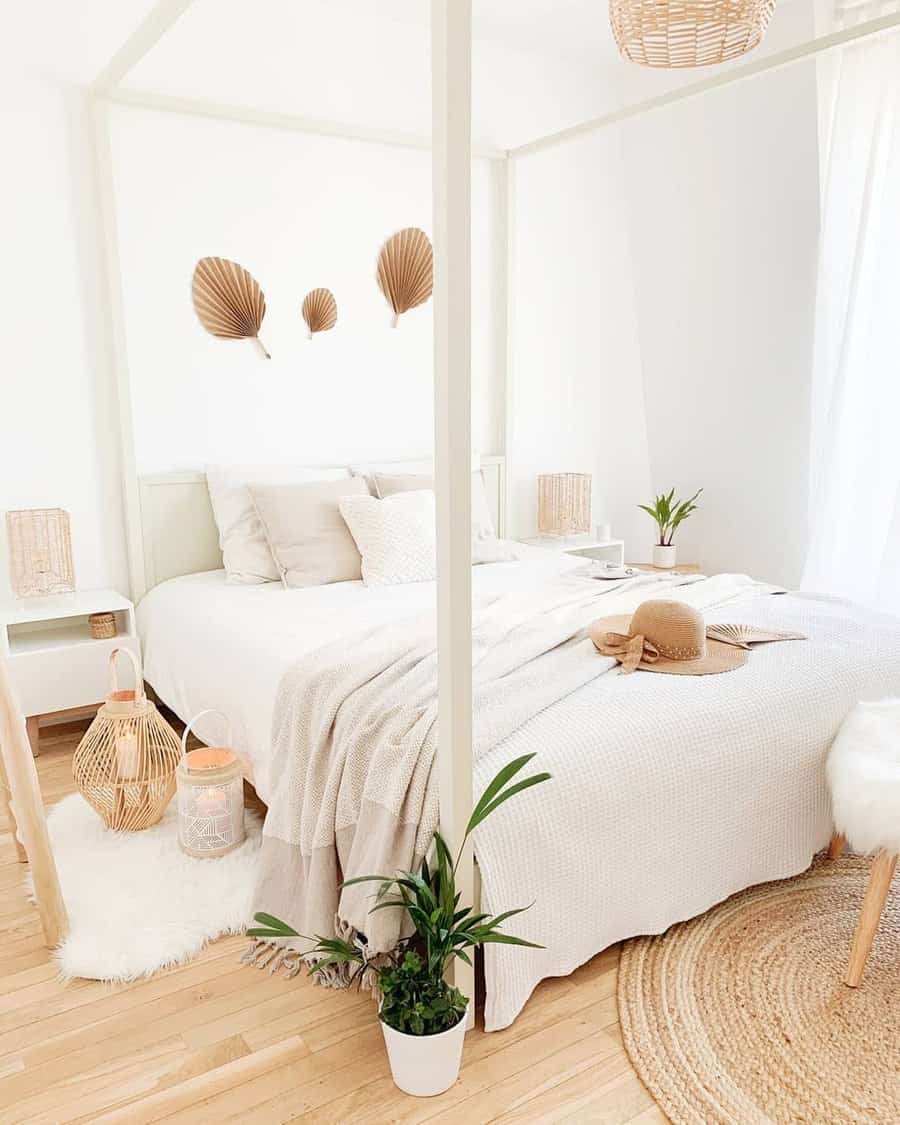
<point x="136" y="902"/>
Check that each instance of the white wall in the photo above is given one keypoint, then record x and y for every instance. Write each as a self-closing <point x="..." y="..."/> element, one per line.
<point x="665" y="289"/>
<point x="58" y="425"/>
<point x="723" y="213"/>
<point x="298" y="211"/>
<point x="577" y="398"/>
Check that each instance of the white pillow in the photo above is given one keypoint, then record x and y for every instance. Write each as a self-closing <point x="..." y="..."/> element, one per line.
<point x="245" y="552"/>
<point x="395" y="536"/>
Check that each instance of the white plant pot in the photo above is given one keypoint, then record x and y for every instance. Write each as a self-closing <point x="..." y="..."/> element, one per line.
<point x="664" y="557"/>
<point x="425" y="1065"/>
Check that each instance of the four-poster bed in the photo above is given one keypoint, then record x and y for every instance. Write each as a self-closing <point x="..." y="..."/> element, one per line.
<point x="452" y="151"/>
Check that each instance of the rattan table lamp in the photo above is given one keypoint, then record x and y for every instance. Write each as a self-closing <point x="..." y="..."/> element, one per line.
<point x="125" y="765"/>
<point x="40" y="552"/>
<point x="564" y="503"/>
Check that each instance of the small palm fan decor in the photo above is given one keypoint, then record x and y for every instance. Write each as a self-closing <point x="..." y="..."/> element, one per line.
<point x="406" y="270"/>
<point x="686" y="33"/>
<point x="319" y="311"/>
<point x="228" y="301"/>
<point x="125" y="765"/>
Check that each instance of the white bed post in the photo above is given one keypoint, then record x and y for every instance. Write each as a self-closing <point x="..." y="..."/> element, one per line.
<point x="451" y="69"/>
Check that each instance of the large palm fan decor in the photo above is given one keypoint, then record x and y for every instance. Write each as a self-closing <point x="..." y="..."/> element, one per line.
<point x="406" y="270"/>
<point x="228" y="301"/>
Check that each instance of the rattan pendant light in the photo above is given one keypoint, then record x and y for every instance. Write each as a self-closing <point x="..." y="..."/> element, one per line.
<point x="684" y="33"/>
<point x="125" y="765"/>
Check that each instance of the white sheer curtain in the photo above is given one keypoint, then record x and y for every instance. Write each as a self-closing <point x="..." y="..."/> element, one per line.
<point x="855" y="454"/>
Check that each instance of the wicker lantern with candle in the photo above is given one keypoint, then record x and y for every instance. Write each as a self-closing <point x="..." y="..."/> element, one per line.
<point x="124" y="766"/>
<point x="210" y="797"/>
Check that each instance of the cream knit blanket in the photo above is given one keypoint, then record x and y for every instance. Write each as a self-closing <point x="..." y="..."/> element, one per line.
<point x="354" y="737"/>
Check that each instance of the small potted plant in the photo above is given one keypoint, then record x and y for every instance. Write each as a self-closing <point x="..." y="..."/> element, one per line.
<point x="668" y="513"/>
<point x="423" y="1018"/>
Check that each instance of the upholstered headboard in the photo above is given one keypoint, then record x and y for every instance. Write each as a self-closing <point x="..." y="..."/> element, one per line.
<point x="179" y="534"/>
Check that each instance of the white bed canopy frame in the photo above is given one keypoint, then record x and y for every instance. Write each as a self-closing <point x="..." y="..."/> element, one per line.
<point x="452" y="153"/>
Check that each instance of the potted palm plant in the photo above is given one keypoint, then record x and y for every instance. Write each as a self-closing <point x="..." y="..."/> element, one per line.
<point x="423" y="1018"/>
<point x="668" y="513"/>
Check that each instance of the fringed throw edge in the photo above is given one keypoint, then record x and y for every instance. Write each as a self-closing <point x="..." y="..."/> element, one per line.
<point x="277" y="957"/>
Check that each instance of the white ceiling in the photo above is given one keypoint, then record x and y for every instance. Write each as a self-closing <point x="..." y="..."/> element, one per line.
<point x="538" y="65"/>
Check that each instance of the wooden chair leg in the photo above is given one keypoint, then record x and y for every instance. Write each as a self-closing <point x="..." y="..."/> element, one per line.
<point x="836" y="847"/>
<point x="873" y="904"/>
<point x="19" y="769"/>
<point x="6" y="807"/>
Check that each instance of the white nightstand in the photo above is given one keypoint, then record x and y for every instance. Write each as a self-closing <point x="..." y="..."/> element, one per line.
<point x="613" y="550"/>
<point x="55" y="664"/>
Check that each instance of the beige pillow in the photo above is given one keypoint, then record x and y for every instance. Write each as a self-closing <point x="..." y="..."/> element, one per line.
<point x="305" y="531"/>
<point x="388" y="484"/>
<point x="245" y="552"/>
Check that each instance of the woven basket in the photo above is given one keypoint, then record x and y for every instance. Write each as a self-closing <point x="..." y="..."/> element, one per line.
<point x="103" y="626"/>
<point x="683" y="33"/>
<point x="125" y="765"/>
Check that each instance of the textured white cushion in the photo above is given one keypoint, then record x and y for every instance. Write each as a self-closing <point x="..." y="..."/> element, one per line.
<point x="395" y="536"/>
<point x="308" y="538"/>
<point x="864" y="776"/>
<point x="245" y="552"/>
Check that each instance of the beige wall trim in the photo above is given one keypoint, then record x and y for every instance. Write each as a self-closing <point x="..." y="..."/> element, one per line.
<point x="142" y="40"/>
<point x="248" y="115"/>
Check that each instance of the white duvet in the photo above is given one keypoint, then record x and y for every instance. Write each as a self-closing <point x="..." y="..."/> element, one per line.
<point x="668" y="794"/>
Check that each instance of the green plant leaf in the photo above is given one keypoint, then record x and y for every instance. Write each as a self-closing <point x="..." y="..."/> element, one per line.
<point x="271" y="927"/>
<point x="509" y="939"/>
<point x="367" y="879"/>
<point x="509" y="771"/>
<point x="519" y="787"/>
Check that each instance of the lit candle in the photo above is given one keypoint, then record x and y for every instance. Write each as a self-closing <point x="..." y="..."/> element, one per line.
<point x="128" y="753"/>
<point x="210" y="801"/>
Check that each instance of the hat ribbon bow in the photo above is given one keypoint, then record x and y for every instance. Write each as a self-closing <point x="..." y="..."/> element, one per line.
<point x="630" y="651"/>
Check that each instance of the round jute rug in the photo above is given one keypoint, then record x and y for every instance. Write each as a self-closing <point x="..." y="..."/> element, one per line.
<point x="741" y="1015"/>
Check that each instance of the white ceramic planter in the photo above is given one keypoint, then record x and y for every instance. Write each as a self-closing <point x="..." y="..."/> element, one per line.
<point x="664" y="557"/>
<point x="425" y="1065"/>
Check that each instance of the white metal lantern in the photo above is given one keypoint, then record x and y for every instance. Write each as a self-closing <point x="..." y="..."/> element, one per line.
<point x="210" y="786"/>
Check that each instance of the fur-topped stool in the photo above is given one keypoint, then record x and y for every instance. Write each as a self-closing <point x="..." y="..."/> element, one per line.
<point x="864" y="776"/>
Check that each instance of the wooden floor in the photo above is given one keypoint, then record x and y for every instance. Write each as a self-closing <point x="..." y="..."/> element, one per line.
<point x="216" y="1041"/>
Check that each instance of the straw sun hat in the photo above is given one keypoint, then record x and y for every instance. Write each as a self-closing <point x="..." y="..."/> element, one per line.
<point x="664" y="636"/>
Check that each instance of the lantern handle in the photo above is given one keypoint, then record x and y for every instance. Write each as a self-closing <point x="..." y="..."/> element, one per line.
<point x="199" y="715"/>
<point x="140" y="696"/>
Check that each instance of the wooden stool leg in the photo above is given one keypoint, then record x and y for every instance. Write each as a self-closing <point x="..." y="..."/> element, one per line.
<point x="33" y="730"/>
<point x="873" y="904"/>
<point x="836" y="847"/>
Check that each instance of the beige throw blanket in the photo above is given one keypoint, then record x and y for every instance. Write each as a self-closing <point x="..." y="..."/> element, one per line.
<point x="354" y="737"/>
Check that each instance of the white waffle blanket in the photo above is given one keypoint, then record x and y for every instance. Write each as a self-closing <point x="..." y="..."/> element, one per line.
<point x="670" y="793"/>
